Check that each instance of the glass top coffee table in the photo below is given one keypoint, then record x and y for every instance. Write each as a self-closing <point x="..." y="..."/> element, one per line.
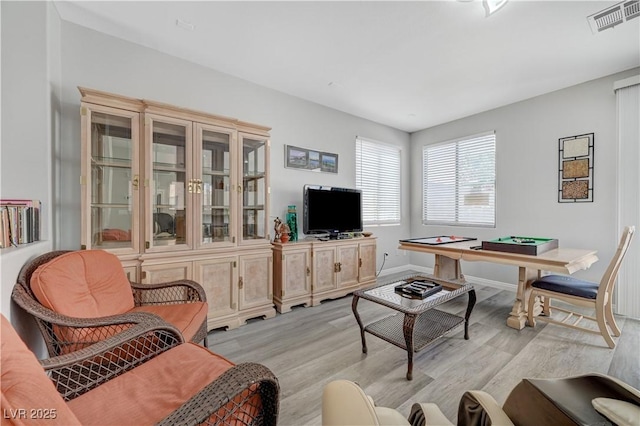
<point x="421" y="324"/>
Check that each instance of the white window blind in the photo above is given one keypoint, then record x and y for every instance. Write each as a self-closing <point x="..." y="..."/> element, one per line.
<point x="628" y="111"/>
<point x="459" y="182"/>
<point x="378" y="176"/>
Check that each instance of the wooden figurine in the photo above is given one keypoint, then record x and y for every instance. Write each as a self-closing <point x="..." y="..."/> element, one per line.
<point x="281" y="231"/>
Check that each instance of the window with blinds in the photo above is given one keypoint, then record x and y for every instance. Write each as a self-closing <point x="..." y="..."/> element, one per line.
<point x="459" y="182"/>
<point x="378" y="176"/>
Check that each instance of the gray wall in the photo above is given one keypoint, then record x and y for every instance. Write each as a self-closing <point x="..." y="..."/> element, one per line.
<point x="527" y="136"/>
<point x="102" y="62"/>
<point x="30" y="131"/>
<point x="25" y="106"/>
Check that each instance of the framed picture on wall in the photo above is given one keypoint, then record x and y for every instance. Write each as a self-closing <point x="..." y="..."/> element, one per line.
<point x="296" y="158"/>
<point x="308" y="159"/>
<point x="329" y="162"/>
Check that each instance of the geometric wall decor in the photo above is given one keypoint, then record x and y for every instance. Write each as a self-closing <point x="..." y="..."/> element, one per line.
<point x="575" y="175"/>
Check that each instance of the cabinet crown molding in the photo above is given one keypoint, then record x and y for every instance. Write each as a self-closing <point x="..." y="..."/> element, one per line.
<point x="145" y="105"/>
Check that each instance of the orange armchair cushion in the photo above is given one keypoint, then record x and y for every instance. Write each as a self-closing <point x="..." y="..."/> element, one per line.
<point x="187" y="317"/>
<point x="83" y="284"/>
<point x="21" y="375"/>
<point x="153" y="390"/>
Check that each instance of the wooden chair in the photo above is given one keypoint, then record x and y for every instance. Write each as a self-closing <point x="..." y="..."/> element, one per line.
<point x="81" y="297"/>
<point x="582" y="293"/>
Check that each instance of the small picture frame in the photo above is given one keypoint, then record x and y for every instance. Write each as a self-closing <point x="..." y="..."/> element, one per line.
<point x="308" y="159"/>
<point x="575" y="163"/>
<point x="329" y="162"/>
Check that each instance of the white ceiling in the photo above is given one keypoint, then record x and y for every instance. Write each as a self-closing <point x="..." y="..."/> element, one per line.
<point x="409" y="65"/>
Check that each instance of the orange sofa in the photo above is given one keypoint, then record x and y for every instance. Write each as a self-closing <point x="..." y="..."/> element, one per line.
<point x="142" y="376"/>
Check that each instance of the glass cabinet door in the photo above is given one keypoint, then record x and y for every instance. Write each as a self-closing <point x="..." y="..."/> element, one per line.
<point x="254" y="159"/>
<point x="215" y="160"/>
<point x="110" y="179"/>
<point x="169" y="184"/>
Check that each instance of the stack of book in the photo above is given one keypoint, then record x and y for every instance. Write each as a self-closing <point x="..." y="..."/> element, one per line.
<point x="19" y="222"/>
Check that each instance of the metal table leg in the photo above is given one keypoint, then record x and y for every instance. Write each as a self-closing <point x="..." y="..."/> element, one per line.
<point x="354" y="308"/>
<point x="470" y="305"/>
<point x="407" y="328"/>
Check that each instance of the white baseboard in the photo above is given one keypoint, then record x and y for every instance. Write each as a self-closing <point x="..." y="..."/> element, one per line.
<point x="492" y="283"/>
<point x="405" y="268"/>
<point x="477" y="280"/>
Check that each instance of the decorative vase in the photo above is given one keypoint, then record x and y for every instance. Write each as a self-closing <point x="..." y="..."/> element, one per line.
<point x="292" y="221"/>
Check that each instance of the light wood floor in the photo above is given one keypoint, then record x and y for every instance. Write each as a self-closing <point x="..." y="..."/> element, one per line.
<point x="309" y="347"/>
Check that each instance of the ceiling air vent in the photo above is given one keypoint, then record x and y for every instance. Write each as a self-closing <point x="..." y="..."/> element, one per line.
<point x="614" y="15"/>
<point x="632" y="9"/>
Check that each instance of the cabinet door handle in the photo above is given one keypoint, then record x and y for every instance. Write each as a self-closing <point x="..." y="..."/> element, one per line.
<point x="198" y="186"/>
<point x="360" y="263"/>
<point x="190" y="186"/>
<point x="240" y="283"/>
<point x="136" y="182"/>
<point x="308" y="271"/>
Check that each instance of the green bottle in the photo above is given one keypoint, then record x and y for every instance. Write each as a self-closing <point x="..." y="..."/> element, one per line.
<point x="292" y="222"/>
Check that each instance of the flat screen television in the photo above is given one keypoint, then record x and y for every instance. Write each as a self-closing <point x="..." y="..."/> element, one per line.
<point x="331" y="210"/>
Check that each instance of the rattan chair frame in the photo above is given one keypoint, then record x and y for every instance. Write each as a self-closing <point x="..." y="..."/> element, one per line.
<point x="217" y="403"/>
<point x="174" y="292"/>
<point x="80" y="371"/>
<point x="602" y="305"/>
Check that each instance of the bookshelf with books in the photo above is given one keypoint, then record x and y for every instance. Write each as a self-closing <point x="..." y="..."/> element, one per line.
<point x="19" y="222"/>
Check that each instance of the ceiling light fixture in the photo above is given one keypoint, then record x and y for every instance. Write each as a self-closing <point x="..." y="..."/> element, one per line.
<point x="492" y="6"/>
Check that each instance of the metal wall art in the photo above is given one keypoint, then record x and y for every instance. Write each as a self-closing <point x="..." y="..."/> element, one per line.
<point x="575" y="176"/>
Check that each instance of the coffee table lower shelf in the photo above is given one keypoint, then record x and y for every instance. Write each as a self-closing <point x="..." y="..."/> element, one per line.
<point x="429" y="326"/>
<point x="416" y="322"/>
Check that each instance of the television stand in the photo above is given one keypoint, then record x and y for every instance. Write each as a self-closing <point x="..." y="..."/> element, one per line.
<point x="309" y="271"/>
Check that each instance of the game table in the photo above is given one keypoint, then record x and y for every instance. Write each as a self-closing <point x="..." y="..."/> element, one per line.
<point x="522" y="245"/>
<point x="450" y="251"/>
